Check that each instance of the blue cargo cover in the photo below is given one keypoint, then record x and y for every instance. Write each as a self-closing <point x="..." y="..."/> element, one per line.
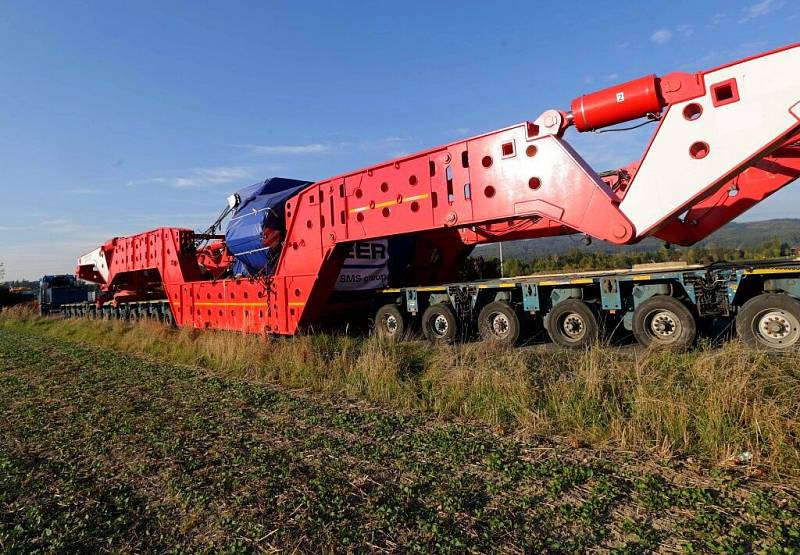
<point x="254" y="234"/>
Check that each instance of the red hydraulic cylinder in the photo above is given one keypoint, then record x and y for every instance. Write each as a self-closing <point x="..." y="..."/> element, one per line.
<point x="617" y="104"/>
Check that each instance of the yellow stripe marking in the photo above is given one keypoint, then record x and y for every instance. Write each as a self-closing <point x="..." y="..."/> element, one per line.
<point x="388" y="203"/>
<point x="774" y="271"/>
<point x="223" y="303"/>
<point x="582" y="280"/>
<point x="642" y="277"/>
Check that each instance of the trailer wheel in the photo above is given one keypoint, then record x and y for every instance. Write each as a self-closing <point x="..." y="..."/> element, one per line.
<point x="168" y="319"/>
<point x="389" y="322"/>
<point x="770" y="320"/>
<point x="439" y="324"/>
<point x="498" y="321"/>
<point x="573" y="323"/>
<point x="664" y="321"/>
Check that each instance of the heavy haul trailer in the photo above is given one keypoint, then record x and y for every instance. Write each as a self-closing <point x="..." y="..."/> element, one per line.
<point x="662" y="304"/>
<point x="725" y="139"/>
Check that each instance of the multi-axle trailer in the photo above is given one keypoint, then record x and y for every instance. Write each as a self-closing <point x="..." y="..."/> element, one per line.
<point x="725" y="139"/>
<point x="662" y="304"/>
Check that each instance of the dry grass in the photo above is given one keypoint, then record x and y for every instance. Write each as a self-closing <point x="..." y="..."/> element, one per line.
<point x="709" y="403"/>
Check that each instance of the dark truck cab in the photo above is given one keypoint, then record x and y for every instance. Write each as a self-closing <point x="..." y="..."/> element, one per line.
<point x="58" y="290"/>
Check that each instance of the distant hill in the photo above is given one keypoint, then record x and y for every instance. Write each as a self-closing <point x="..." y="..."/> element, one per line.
<point x="734" y="235"/>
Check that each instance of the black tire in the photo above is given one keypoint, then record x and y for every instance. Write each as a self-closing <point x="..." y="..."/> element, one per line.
<point x="770" y="321"/>
<point x="664" y="321"/>
<point x="390" y="322"/>
<point x="439" y="324"/>
<point x="499" y="322"/>
<point x="167" y="317"/>
<point x="573" y="323"/>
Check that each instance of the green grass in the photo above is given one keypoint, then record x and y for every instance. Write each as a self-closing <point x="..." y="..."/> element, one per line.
<point x="710" y="404"/>
<point x="102" y="450"/>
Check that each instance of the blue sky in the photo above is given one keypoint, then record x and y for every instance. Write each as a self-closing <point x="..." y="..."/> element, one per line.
<point x="117" y="117"/>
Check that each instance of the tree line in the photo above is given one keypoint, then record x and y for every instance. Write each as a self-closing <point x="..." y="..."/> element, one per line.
<point x="584" y="260"/>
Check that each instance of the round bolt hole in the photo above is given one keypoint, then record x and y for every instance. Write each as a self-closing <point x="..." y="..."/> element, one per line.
<point x="699" y="150"/>
<point x="692" y="111"/>
<point x="309" y="225"/>
<point x="359" y="193"/>
<point x="414" y="206"/>
<point x="360" y="217"/>
<point x="296" y="292"/>
<point x="489" y="191"/>
<point x="412" y="180"/>
<point x="531" y="151"/>
<point x="384" y="187"/>
<point x="386" y="212"/>
<point x="534" y="183"/>
<point x="486" y="161"/>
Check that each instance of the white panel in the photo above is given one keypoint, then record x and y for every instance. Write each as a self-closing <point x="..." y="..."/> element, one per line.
<point x="97" y="259"/>
<point x="668" y="178"/>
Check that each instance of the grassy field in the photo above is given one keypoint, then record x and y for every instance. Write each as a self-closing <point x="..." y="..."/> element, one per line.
<point x="188" y="446"/>
<point x="711" y="403"/>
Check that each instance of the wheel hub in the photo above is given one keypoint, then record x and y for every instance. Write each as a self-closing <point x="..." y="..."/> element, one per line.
<point x="500" y="324"/>
<point x="664" y="324"/>
<point x="778" y="327"/>
<point x="440" y="325"/>
<point x="391" y="323"/>
<point x="573" y="326"/>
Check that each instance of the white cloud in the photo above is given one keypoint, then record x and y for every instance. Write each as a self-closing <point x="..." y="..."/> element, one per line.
<point x="321" y="148"/>
<point x="147" y="181"/>
<point x="83" y="191"/>
<point x="760" y="8"/>
<point x="292" y="150"/>
<point x="686" y="30"/>
<point x="199" y="177"/>
<point x="204" y="177"/>
<point x="56" y="222"/>
<point x="661" y="36"/>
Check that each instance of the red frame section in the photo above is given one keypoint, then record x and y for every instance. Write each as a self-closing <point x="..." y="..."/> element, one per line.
<point x="736" y="196"/>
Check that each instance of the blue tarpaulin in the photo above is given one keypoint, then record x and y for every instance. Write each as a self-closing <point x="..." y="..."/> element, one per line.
<point x="254" y="233"/>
